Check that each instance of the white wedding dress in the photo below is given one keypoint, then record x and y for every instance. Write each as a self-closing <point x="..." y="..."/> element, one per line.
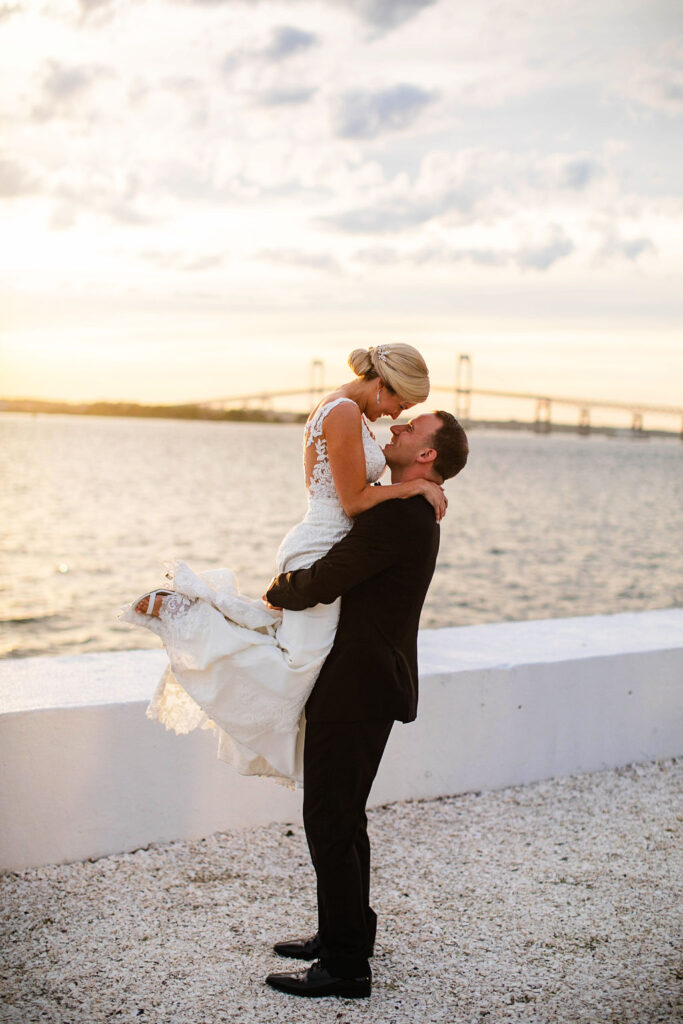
<point x="235" y="665"/>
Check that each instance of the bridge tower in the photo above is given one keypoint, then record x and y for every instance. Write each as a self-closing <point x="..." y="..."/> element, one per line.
<point x="463" y="388"/>
<point x="585" y="421"/>
<point x="542" y="424"/>
<point x="316" y="384"/>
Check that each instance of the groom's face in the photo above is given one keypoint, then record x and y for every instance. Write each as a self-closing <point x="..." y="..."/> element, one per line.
<point x="409" y="440"/>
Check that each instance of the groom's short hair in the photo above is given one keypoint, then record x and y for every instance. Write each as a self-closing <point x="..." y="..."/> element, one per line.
<point x="450" y="442"/>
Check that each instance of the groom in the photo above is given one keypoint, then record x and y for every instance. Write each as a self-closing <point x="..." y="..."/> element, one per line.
<point x="382" y="570"/>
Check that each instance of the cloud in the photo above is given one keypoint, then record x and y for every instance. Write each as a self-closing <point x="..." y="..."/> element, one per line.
<point x="183" y="85"/>
<point x="632" y="248"/>
<point x="580" y="172"/>
<point x="616" y="247"/>
<point x="108" y="194"/>
<point x="540" y="257"/>
<point x="385" y="218"/>
<point x="469" y="186"/>
<point x="15" y="179"/>
<point x="361" y="114"/>
<point x="298" y="258"/>
<point x="383" y="256"/>
<point x="96" y="7"/>
<point x="383" y="15"/>
<point x="661" y="92"/>
<point x="378" y="256"/>
<point x="185" y="180"/>
<point x="117" y="208"/>
<point x="191" y="91"/>
<point x="439" y="190"/>
<point x="386" y="14"/>
<point x="658" y="83"/>
<point x="8" y="9"/>
<point x="124" y="212"/>
<point x="61" y="82"/>
<point x="287" y="40"/>
<point x="62" y="87"/>
<point x="489" y="257"/>
<point x="180" y="261"/>
<point x="283" y="96"/>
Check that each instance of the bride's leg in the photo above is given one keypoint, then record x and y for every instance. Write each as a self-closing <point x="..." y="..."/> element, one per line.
<point x="152" y="603"/>
<point x="143" y="604"/>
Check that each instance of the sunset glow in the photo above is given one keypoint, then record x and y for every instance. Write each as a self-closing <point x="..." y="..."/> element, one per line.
<point x="197" y="199"/>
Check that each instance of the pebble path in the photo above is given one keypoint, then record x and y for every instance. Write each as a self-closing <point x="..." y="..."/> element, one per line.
<point x="552" y="903"/>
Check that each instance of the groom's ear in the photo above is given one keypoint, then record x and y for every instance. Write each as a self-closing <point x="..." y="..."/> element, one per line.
<point x="427" y="455"/>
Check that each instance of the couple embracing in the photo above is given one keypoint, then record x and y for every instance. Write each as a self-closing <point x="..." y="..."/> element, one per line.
<point x="306" y="685"/>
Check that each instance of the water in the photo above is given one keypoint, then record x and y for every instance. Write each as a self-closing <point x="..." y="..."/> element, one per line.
<point x="537" y="527"/>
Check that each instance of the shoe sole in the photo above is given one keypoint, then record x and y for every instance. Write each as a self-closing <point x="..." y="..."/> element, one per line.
<point x="341" y="991"/>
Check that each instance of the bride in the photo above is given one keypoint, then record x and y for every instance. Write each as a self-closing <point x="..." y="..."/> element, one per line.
<point x="240" y="667"/>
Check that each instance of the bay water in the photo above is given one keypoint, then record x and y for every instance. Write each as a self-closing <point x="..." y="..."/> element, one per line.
<point x="537" y="526"/>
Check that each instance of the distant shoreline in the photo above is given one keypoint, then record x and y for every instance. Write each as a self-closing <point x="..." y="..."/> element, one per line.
<point x="187" y="411"/>
<point x="193" y="411"/>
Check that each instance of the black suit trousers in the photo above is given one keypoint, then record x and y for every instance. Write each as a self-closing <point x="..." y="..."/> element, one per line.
<point x="340" y="762"/>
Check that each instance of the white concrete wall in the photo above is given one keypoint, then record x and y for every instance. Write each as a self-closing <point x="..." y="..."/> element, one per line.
<point x="83" y="773"/>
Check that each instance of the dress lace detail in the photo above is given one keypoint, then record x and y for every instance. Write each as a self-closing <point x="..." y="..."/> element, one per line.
<point x="236" y="666"/>
<point x="321" y="482"/>
<point x="325" y="521"/>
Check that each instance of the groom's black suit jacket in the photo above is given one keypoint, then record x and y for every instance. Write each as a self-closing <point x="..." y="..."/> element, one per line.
<point x="381" y="570"/>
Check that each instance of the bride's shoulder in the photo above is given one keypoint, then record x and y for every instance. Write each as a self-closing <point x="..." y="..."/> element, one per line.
<point x="332" y="410"/>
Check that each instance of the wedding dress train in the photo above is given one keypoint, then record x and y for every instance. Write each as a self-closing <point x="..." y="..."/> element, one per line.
<point x="237" y="666"/>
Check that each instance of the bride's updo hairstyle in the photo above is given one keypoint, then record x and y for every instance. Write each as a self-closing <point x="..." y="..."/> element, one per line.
<point x="400" y="367"/>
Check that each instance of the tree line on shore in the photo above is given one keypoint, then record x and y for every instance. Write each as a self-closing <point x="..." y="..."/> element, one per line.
<point x="187" y="411"/>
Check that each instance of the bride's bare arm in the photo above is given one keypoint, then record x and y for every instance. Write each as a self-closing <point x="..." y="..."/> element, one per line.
<point x="343" y="434"/>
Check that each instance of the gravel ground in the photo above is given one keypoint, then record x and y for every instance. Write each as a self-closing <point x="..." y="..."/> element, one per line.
<point x="554" y="902"/>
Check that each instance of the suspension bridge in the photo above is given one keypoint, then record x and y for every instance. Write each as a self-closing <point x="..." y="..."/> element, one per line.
<point x="462" y="392"/>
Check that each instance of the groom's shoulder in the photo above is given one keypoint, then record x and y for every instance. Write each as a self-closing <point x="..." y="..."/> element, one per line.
<point x="400" y="512"/>
<point x="421" y="512"/>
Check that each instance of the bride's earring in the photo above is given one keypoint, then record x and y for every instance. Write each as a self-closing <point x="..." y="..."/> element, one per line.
<point x="378" y="394"/>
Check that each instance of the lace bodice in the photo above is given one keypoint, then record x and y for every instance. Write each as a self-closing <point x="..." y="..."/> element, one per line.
<point x="321" y="483"/>
<point x="325" y="521"/>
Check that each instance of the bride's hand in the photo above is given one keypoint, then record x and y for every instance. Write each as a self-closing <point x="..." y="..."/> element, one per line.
<point x="434" y="494"/>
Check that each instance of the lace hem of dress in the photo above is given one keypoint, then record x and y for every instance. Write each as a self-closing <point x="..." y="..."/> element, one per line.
<point x="172" y="706"/>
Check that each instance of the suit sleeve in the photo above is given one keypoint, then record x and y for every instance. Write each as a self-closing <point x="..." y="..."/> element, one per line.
<point x="376" y="540"/>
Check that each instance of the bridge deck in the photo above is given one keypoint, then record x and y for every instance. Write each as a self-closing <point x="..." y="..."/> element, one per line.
<point x="582" y="403"/>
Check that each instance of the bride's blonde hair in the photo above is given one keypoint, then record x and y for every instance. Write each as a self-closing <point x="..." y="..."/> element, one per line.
<point x="399" y="366"/>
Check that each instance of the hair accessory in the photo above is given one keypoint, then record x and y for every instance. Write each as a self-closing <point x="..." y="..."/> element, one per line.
<point x="381" y="353"/>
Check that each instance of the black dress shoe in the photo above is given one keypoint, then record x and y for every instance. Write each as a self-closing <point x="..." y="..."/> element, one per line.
<point x="299" y="949"/>
<point x="316" y="980"/>
<point x="302" y="949"/>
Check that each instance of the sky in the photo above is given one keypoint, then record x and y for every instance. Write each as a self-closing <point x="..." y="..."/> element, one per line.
<point x="200" y="197"/>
